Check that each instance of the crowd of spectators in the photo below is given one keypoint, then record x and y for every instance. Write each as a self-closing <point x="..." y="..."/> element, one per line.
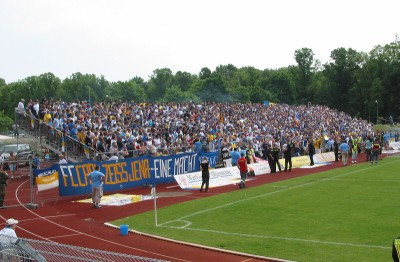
<point x="121" y="129"/>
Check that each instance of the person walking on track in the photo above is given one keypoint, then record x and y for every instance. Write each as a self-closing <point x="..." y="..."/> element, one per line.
<point x="205" y="173"/>
<point x="242" y="165"/>
<point x="97" y="179"/>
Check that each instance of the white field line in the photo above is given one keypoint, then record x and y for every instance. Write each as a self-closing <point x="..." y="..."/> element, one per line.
<point x="79" y="232"/>
<point x="268" y="194"/>
<point x="282" y="238"/>
<point x="367" y="180"/>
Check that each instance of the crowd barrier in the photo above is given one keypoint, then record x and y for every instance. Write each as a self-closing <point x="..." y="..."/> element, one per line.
<point x="72" y="178"/>
<point x="394" y="145"/>
<point x="231" y="175"/>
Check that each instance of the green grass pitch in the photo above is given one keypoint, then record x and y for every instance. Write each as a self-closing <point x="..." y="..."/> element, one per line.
<point x="345" y="214"/>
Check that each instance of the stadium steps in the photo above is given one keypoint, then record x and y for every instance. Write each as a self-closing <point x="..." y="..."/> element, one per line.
<point x="51" y="146"/>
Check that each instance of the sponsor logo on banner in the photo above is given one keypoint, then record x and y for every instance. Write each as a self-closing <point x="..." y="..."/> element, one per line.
<point x="231" y="175"/>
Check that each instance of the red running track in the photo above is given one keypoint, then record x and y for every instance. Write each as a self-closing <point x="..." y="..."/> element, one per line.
<point x="66" y="222"/>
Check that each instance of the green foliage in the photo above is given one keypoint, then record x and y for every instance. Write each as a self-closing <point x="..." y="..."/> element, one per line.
<point x="126" y="91"/>
<point x="325" y="214"/>
<point x="84" y="87"/>
<point x="175" y="94"/>
<point x="305" y="60"/>
<point x="351" y="81"/>
<point x="5" y="122"/>
<point x="159" y="82"/>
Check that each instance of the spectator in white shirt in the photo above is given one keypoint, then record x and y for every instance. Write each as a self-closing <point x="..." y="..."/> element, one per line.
<point x="7" y="234"/>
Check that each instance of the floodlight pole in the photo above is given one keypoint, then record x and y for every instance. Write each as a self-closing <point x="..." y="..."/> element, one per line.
<point x="376" y="101"/>
<point x="154" y="194"/>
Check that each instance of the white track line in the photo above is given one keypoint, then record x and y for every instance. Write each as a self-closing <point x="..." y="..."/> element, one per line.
<point x="84" y="234"/>
<point x="70" y="235"/>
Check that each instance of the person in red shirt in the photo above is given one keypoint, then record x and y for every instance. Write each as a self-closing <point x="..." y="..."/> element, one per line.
<point x="242" y="165"/>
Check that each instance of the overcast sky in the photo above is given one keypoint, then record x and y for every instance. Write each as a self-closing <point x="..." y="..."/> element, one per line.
<point x="121" y="39"/>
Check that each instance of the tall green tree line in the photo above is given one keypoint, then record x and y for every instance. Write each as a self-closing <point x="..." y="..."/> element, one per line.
<point x="354" y="82"/>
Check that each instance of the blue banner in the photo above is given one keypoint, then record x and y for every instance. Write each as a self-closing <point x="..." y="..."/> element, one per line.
<point x="127" y="173"/>
<point x="212" y="158"/>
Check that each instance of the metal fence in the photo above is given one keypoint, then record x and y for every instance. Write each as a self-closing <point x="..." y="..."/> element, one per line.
<point x="37" y="250"/>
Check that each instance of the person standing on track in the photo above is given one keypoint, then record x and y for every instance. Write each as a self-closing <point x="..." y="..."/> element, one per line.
<point x="336" y="149"/>
<point x="287" y="153"/>
<point x="275" y="153"/>
<point x="235" y="155"/>
<point x="97" y="179"/>
<point x="12" y="163"/>
<point x="375" y="151"/>
<point x="368" y="147"/>
<point x="205" y="173"/>
<point x="3" y="185"/>
<point x="344" y="151"/>
<point x="311" y="151"/>
<point x="242" y="165"/>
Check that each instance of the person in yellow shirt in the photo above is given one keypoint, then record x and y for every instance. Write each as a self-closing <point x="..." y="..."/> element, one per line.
<point x="47" y="117"/>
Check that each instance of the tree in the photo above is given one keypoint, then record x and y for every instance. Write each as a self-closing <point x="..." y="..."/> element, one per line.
<point x="211" y="89"/>
<point x="340" y="74"/>
<point x="126" y="91"/>
<point x="83" y="87"/>
<point x="47" y="84"/>
<point x="5" y="122"/>
<point x="305" y="59"/>
<point x="184" y="80"/>
<point x="175" y="94"/>
<point x="159" y="82"/>
<point x="204" y="73"/>
<point x="281" y="84"/>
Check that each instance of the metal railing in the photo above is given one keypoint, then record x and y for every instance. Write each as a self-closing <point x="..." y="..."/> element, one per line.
<point x="22" y="249"/>
<point x="74" y="149"/>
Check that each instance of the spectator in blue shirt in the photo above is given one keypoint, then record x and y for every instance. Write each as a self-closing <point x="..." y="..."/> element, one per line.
<point x="197" y="146"/>
<point x="386" y="140"/>
<point x="344" y="150"/>
<point x="97" y="179"/>
<point x="235" y="155"/>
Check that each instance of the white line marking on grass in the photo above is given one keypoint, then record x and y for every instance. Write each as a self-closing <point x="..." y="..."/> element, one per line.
<point x="367" y="180"/>
<point x="185" y="222"/>
<point x="263" y="195"/>
<point x="278" y="191"/>
<point x="272" y="193"/>
<point x="283" y="238"/>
